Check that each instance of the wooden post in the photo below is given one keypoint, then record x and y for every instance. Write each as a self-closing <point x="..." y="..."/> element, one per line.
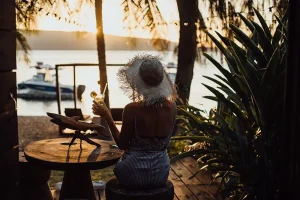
<point x="9" y="149"/>
<point x="58" y="97"/>
<point x="290" y="137"/>
<point x="74" y="86"/>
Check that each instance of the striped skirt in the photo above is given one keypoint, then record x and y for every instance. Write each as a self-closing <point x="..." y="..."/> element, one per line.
<point x="143" y="169"/>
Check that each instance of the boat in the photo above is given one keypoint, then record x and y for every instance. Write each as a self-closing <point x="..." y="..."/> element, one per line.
<point x="171" y="69"/>
<point x="43" y="86"/>
<point x="171" y="65"/>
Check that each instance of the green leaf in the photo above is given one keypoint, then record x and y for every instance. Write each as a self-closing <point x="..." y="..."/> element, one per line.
<point x="278" y="32"/>
<point x="225" y="40"/>
<point x="225" y="127"/>
<point x="197" y="121"/>
<point x="282" y="66"/>
<point x="216" y="81"/>
<point x="247" y="22"/>
<point x="255" y="39"/>
<point x="251" y="45"/>
<point x="226" y="73"/>
<point x="213" y="98"/>
<point x="222" y="49"/>
<point x="284" y="28"/>
<point x="270" y="74"/>
<point x="254" y="64"/>
<point x="233" y="96"/>
<point x="223" y="79"/>
<point x="241" y="139"/>
<point x="263" y="23"/>
<point x="240" y="50"/>
<point x="264" y="41"/>
<point x="235" y="85"/>
<point x="184" y="128"/>
<point x="248" y="71"/>
<point x="233" y="107"/>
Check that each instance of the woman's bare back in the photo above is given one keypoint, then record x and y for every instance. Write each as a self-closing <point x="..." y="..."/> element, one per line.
<point x="154" y="122"/>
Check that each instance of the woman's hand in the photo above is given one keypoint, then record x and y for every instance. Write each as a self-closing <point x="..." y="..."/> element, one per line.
<point x="100" y="109"/>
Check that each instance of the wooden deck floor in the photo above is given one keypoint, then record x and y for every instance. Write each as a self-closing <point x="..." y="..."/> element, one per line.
<point x="198" y="187"/>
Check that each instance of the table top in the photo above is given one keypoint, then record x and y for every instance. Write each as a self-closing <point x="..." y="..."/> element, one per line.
<point x="55" y="154"/>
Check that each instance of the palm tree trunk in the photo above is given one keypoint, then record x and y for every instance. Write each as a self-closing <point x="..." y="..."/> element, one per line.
<point x="101" y="50"/>
<point x="188" y="15"/>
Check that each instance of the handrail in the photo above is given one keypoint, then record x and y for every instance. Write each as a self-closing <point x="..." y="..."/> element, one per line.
<point x="85" y="64"/>
<point x="74" y="65"/>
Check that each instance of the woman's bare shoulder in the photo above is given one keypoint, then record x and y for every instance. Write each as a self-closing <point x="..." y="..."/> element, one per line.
<point x="171" y="104"/>
<point x="131" y="106"/>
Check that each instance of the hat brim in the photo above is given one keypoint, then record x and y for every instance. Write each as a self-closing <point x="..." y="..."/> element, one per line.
<point x="137" y="90"/>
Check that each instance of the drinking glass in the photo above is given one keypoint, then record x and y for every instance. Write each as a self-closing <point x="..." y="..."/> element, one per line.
<point x="99" y="98"/>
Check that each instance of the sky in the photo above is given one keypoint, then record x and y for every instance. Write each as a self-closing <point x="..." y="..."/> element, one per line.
<point x="112" y="20"/>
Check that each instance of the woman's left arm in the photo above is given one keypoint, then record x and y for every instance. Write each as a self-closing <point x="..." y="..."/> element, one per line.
<point x="122" y="138"/>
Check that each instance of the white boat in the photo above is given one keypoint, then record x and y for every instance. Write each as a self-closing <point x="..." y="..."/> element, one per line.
<point x="171" y="65"/>
<point x="171" y="69"/>
<point x="43" y="85"/>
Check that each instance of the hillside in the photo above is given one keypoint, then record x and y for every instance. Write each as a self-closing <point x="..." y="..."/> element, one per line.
<point x="58" y="40"/>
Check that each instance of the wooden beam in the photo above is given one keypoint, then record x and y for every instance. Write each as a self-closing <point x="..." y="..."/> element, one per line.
<point x="7" y="35"/>
<point x="9" y="149"/>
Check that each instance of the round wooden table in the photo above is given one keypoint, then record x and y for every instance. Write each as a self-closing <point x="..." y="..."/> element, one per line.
<point x="55" y="154"/>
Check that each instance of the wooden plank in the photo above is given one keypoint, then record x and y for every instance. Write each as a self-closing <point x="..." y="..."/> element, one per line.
<point x="204" y="177"/>
<point x="175" y="197"/>
<point x="173" y="177"/>
<point x="182" y="192"/>
<point x="199" y="190"/>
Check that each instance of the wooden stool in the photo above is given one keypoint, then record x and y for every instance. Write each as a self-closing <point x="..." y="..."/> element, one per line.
<point x="114" y="191"/>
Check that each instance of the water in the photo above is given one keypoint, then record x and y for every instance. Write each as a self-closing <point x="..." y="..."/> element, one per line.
<point x="89" y="76"/>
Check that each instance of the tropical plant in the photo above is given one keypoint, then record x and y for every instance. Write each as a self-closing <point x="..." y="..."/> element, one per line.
<point x="242" y="133"/>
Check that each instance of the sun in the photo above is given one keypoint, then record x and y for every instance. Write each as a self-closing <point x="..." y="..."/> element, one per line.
<point x="86" y="21"/>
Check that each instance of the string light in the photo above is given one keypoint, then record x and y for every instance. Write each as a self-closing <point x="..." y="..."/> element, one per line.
<point x="235" y="14"/>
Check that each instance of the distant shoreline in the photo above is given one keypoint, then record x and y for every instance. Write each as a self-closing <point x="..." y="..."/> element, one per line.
<point x="58" y="40"/>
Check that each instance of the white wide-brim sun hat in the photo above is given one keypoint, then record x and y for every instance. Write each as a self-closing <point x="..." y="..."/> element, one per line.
<point x="137" y="89"/>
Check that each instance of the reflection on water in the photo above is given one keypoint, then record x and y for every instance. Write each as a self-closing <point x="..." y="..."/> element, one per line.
<point x="89" y="76"/>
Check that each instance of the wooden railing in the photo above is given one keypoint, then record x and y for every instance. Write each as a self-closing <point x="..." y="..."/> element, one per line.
<point x="74" y="65"/>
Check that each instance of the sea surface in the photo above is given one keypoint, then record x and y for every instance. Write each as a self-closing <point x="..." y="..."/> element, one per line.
<point x="89" y="76"/>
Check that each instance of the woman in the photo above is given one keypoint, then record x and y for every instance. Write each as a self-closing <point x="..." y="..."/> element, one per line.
<point x="147" y="125"/>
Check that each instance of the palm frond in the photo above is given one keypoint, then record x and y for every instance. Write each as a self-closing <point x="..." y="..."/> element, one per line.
<point x="22" y="46"/>
<point x="145" y="15"/>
